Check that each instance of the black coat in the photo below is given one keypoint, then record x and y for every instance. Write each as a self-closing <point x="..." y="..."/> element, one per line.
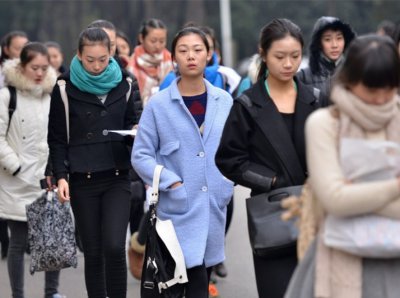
<point x="89" y="149"/>
<point x="320" y="70"/>
<point x="256" y="145"/>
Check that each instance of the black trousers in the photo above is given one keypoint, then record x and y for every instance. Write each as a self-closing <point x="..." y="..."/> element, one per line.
<point x="138" y="196"/>
<point x="102" y="207"/>
<point x="4" y="238"/>
<point x="273" y="274"/>
<point x="197" y="286"/>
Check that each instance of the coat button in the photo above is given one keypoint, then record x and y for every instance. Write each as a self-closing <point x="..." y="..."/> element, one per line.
<point x="89" y="135"/>
<point x="204" y="188"/>
<point x="103" y="113"/>
<point x="89" y="114"/>
<point x="201" y="154"/>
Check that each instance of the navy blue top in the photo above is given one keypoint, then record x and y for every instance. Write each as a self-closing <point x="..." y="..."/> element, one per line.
<point x="197" y="105"/>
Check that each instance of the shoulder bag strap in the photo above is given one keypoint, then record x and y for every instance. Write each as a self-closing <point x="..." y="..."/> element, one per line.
<point x="12" y="105"/>
<point x="156" y="184"/>
<point x="128" y="94"/>
<point x="64" y="97"/>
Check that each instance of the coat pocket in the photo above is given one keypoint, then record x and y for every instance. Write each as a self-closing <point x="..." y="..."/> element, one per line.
<point x="174" y="201"/>
<point x="168" y="148"/>
<point x="226" y="193"/>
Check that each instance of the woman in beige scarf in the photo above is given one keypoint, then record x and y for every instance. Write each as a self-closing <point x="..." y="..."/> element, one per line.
<point x="151" y="61"/>
<point x="366" y="107"/>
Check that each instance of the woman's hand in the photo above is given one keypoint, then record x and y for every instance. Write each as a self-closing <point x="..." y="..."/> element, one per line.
<point x="134" y="129"/>
<point x="63" y="190"/>
<point x="175" y="185"/>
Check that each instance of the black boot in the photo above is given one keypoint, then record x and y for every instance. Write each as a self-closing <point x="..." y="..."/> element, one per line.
<point x="220" y="270"/>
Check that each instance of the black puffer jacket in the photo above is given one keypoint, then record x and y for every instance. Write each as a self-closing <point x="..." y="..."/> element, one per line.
<point x="321" y="69"/>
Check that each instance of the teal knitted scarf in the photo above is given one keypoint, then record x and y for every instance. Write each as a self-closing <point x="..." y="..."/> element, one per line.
<point x="95" y="84"/>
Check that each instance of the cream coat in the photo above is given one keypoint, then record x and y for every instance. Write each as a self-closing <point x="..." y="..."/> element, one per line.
<point x="25" y="145"/>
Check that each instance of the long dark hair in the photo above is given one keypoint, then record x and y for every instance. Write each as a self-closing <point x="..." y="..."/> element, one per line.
<point x="275" y="30"/>
<point x="372" y="60"/>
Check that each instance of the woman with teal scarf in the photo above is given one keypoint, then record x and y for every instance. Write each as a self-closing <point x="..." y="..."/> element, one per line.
<point x="90" y="164"/>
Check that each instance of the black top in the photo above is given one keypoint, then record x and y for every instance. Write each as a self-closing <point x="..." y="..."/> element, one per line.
<point x="288" y="118"/>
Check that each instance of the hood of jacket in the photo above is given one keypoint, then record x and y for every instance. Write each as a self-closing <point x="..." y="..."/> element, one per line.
<point x="13" y="76"/>
<point x="319" y="63"/>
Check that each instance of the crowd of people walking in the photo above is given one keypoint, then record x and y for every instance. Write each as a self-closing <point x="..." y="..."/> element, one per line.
<point x="97" y="126"/>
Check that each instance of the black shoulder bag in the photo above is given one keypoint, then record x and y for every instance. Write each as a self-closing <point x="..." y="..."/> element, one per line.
<point x="164" y="269"/>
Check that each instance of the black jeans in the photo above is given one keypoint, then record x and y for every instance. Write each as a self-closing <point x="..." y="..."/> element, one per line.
<point x="15" y="262"/>
<point x="101" y="207"/>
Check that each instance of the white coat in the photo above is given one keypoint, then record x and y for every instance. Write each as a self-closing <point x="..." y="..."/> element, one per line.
<point x="25" y="145"/>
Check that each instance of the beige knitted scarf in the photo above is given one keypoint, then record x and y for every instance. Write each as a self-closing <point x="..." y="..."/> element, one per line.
<point x="338" y="274"/>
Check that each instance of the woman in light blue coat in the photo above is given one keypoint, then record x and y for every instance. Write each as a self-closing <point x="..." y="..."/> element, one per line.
<point x="180" y="128"/>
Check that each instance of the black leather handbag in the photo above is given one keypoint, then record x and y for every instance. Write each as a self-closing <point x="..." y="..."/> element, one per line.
<point x="164" y="270"/>
<point x="269" y="234"/>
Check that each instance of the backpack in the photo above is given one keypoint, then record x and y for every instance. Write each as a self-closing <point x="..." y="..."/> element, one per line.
<point x="12" y="105"/>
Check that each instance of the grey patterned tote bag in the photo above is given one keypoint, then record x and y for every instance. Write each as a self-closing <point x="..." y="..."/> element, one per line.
<point x="51" y="234"/>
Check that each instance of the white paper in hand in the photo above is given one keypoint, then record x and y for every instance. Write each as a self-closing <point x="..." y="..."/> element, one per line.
<point x="130" y="132"/>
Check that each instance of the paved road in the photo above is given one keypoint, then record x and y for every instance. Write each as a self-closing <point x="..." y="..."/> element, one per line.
<point x="240" y="282"/>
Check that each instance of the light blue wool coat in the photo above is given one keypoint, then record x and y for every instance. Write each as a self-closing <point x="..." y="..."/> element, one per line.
<point x="168" y="135"/>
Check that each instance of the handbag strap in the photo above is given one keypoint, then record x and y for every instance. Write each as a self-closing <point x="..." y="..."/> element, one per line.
<point x="156" y="184"/>
<point x="64" y="97"/>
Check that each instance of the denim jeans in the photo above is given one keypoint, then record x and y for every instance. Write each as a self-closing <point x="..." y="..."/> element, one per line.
<point x="15" y="262"/>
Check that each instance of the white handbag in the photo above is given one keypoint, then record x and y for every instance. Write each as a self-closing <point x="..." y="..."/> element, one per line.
<point x="370" y="236"/>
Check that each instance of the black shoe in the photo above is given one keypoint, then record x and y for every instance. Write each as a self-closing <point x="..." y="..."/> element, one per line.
<point x="220" y="270"/>
<point x="213" y="276"/>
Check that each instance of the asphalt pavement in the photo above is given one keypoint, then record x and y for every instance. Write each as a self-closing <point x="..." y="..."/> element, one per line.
<point x="240" y="282"/>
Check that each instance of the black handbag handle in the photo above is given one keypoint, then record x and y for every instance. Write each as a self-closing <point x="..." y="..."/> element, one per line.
<point x="279" y="194"/>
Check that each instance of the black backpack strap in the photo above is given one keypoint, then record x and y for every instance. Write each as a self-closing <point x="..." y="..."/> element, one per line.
<point x="12" y="105"/>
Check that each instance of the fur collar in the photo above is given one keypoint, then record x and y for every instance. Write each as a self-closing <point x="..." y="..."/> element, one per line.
<point x="14" y="77"/>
